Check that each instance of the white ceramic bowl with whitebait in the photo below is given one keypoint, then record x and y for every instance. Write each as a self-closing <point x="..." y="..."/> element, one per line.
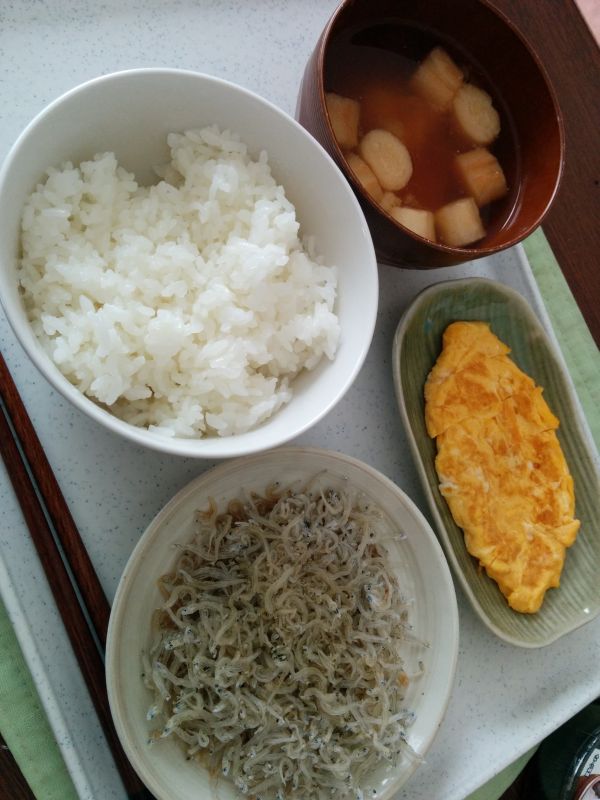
<point x="412" y="555"/>
<point x="131" y="114"/>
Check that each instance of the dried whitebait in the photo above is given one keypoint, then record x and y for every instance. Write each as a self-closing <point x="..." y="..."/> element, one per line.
<point x="280" y="655"/>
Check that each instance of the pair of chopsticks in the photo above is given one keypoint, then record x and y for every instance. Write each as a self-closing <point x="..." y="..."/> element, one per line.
<point x="77" y="591"/>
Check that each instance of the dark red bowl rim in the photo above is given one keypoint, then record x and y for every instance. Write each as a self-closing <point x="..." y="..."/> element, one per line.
<point x="443" y="248"/>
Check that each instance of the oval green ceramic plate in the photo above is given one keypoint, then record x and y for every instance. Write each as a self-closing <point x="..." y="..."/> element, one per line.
<point x="417" y="345"/>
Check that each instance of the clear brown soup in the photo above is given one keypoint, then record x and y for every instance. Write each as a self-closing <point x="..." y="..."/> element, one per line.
<point x="374" y="65"/>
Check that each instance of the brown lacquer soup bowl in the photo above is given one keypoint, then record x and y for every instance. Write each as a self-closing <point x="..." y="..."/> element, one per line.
<point x="368" y="57"/>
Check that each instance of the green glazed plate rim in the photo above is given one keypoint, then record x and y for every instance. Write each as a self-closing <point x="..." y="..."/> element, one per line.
<point x="577" y="601"/>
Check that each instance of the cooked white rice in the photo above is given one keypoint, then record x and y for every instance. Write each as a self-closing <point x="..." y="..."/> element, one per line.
<point x="186" y="307"/>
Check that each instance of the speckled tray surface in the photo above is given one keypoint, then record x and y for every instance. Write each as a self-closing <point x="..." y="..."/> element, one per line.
<point x="505" y="699"/>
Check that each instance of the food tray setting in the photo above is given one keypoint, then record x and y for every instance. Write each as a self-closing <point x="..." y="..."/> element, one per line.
<point x="115" y="489"/>
<point x="504" y="698"/>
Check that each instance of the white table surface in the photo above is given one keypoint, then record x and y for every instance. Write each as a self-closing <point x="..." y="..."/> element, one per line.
<point x="505" y="699"/>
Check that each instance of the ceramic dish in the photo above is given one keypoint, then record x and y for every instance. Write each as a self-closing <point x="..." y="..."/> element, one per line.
<point x="416" y="346"/>
<point x="131" y="113"/>
<point x="418" y="560"/>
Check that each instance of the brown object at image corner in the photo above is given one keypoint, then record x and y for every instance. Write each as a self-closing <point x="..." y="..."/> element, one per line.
<point x="559" y="31"/>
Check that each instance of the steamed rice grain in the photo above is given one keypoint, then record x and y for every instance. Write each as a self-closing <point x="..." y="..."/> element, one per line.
<point x="186" y="307"/>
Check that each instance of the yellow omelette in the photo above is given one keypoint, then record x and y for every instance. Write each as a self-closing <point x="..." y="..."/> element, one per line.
<point x="500" y="464"/>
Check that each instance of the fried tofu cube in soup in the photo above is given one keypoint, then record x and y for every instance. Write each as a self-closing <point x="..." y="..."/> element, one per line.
<point x="344" y="115"/>
<point x="481" y="175"/>
<point x="458" y="223"/>
<point x="365" y="176"/>
<point x="475" y="116"/>
<point x="437" y="79"/>
<point x="417" y="220"/>
<point x="388" y="158"/>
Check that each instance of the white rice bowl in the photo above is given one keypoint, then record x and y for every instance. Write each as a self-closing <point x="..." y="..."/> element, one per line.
<point x="131" y="114"/>
<point x="186" y="307"/>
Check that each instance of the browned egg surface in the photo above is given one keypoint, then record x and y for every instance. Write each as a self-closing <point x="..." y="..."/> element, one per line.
<point x="500" y="464"/>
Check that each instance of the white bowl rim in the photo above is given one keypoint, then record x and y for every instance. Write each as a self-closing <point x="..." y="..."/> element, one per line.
<point x="213" y="447"/>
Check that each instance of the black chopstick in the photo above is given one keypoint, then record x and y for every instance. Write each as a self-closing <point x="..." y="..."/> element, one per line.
<point x="59" y="516"/>
<point x="74" y="584"/>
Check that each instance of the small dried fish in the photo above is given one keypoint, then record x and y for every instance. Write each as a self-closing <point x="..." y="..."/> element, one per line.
<point x="282" y="637"/>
